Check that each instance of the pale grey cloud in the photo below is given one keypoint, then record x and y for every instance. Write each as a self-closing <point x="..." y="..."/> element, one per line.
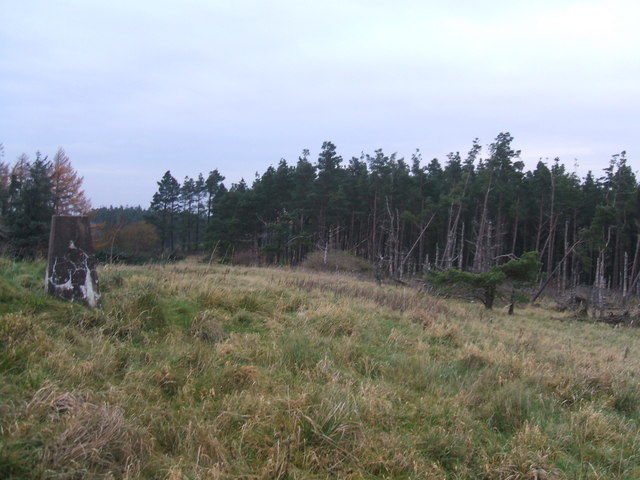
<point x="131" y="89"/>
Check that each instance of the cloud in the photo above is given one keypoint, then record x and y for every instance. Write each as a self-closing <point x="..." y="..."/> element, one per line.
<point x="238" y="85"/>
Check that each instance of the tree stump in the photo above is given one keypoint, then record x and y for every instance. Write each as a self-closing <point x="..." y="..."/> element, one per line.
<point x="71" y="273"/>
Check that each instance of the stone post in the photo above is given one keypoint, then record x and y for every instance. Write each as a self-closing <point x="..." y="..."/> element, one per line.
<point x="71" y="273"/>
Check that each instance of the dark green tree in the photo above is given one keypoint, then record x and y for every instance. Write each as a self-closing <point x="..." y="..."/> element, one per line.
<point x="480" y="286"/>
<point x="214" y="188"/>
<point x="484" y="286"/>
<point x="329" y="179"/>
<point x="303" y="207"/>
<point x="31" y="207"/>
<point x="187" y="213"/>
<point x="164" y="210"/>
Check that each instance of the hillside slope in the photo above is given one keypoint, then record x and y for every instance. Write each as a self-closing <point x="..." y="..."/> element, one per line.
<point x="197" y="372"/>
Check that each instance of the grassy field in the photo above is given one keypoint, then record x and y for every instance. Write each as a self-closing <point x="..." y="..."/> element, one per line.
<point x="213" y="372"/>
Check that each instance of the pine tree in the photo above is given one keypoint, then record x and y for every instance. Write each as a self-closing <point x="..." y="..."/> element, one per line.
<point x="327" y="184"/>
<point x="214" y="190"/>
<point x="31" y="207"/>
<point x="164" y="210"/>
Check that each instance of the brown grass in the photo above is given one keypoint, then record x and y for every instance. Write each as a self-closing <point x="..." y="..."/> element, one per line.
<point x="207" y="371"/>
<point x="89" y="438"/>
<point x="205" y="327"/>
<point x="399" y="298"/>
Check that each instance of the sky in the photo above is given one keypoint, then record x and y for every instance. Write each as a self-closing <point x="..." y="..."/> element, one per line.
<point x="131" y="89"/>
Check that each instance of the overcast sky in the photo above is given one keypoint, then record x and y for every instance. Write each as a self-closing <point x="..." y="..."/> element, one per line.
<point x="131" y="89"/>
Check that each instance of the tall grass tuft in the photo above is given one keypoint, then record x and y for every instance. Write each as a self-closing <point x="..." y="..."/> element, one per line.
<point x="88" y="438"/>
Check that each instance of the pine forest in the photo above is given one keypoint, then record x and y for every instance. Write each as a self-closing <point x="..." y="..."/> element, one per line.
<point x="472" y="212"/>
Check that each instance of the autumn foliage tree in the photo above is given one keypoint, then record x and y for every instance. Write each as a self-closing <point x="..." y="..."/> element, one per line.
<point x="68" y="196"/>
<point x="30" y="193"/>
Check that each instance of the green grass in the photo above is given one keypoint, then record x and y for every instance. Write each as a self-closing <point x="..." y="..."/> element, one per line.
<point x="197" y="372"/>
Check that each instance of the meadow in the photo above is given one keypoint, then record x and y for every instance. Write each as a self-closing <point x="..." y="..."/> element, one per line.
<point x="196" y="371"/>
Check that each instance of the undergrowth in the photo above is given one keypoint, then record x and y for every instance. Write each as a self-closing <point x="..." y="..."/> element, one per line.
<point x="193" y="371"/>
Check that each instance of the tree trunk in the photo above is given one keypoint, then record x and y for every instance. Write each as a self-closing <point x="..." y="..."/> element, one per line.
<point x="550" y="276"/>
<point x="479" y="260"/>
<point x="461" y="252"/>
<point x="625" y="278"/>
<point x="515" y="236"/>
<point x="635" y="273"/>
<point x="563" y="283"/>
<point x="539" y="232"/>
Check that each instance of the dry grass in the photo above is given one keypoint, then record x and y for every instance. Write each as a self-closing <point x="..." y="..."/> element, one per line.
<point x="337" y="261"/>
<point x="197" y="371"/>
<point x="86" y="438"/>
<point x="205" y="327"/>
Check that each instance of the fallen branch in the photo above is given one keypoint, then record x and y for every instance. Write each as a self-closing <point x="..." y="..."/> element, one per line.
<point x="548" y="279"/>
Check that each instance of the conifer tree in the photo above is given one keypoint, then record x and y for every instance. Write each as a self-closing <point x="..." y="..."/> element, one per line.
<point x="29" y="215"/>
<point x="164" y="210"/>
<point x="68" y="196"/>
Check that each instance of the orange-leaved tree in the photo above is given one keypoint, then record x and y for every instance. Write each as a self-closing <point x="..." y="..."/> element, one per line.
<point x="68" y="196"/>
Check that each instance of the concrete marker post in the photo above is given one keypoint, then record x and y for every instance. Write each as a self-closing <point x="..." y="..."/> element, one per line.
<point x="71" y="271"/>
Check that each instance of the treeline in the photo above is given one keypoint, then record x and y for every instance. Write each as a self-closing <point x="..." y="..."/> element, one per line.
<point x="474" y="212"/>
<point x="31" y="191"/>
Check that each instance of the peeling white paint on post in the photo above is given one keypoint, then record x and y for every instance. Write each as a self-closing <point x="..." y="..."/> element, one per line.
<point x="71" y="273"/>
